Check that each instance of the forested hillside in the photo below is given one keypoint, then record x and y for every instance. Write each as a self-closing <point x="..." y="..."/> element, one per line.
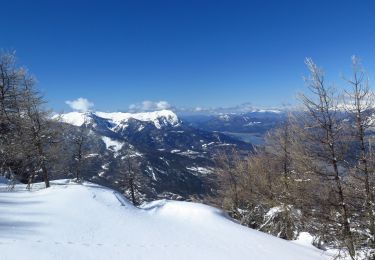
<point x="315" y="173"/>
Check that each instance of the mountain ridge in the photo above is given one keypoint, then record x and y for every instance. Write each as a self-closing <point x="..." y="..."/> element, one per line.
<point x="166" y="117"/>
<point x="174" y="159"/>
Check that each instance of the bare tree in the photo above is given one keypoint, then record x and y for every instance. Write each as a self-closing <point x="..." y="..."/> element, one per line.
<point x="326" y="132"/>
<point x="38" y="127"/>
<point x="131" y="180"/>
<point x="79" y="152"/>
<point x="279" y="144"/>
<point x="360" y="106"/>
<point x="11" y="77"/>
<point x="131" y="175"/>
<point x="230" y="170"/>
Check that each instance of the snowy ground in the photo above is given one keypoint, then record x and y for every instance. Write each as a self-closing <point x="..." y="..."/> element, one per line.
<point x="71" y="221"/>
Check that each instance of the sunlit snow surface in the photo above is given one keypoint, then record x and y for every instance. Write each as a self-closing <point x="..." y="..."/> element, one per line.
<point x="71" y="221"/>
<point x="158" y="118"/>
<point x="112" y="144"/>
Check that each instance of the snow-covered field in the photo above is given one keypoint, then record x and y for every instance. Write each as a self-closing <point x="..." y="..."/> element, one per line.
<point x="72" y="221"/>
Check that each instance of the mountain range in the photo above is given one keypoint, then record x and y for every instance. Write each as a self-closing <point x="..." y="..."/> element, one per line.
<point x="175" y="158"/>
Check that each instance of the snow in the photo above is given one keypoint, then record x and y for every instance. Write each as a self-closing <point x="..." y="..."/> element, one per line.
<point x="73" y="221"/>
<point x="92" y="155"/>
<point x="151" y="171"/>
<point x="117" y="119"/>
<point x="189" y="152"/>
<point x="105" y="166"/>
<point x="273" y="211"/>
<point x="73" y="118"/>
<point x="131" y="154"/>
<point x="305" y="239"/>
<point x="206" y="145"/>
<point x="224" y="117"/>
<point x="200" y="170"/>
<point x="276" y="111"/>
<point x="112" y="144"/>
<point x="164" y="160"/>
<point x="253" y="123"/>
<point x="167" y="117"/>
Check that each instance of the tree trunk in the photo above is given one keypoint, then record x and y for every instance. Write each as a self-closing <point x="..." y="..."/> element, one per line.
<point x="131" y="184"/>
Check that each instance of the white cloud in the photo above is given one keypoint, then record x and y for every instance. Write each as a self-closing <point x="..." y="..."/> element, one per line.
<point x="150" y="106"/>
<point x="163" y="105"/>
<point x="80" y="104"/>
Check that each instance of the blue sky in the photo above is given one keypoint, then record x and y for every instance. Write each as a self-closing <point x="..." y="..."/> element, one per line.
<point x="188" y="53"/>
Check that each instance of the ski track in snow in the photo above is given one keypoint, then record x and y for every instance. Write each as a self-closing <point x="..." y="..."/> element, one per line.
<point x="72" y="221"/>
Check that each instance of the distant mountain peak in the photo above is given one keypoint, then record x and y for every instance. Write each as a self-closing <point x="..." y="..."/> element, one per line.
<point x="159" y="118"/>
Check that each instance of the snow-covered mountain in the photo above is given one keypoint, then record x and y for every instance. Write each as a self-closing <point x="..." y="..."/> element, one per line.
<point x="177" y="159"/>
<point x="71" y="221"/>
<point x="120" y="119"/>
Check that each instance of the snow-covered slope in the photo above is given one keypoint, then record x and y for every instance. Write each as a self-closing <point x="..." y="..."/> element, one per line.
<point x="73" y="118"/>
<point x="158" y="118"/>
<point x="70" y="221"/>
